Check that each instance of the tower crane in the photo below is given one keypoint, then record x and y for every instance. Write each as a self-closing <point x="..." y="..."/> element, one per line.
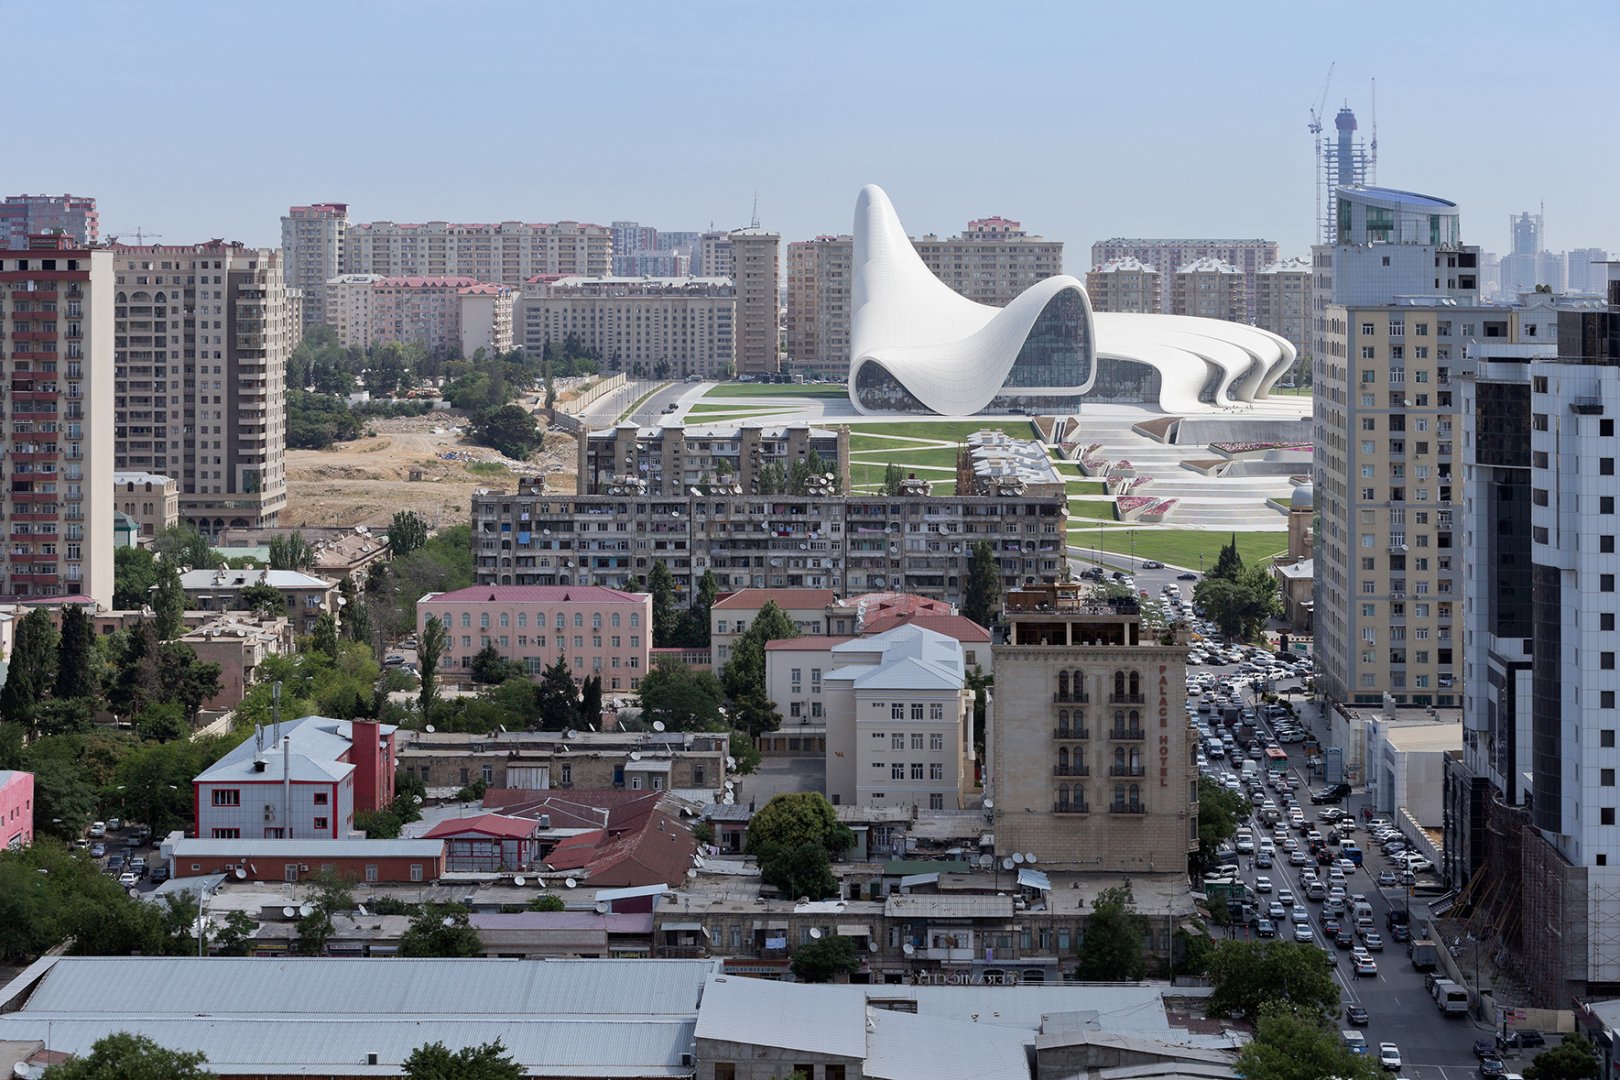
<point x="140" y="236"/>
<point x="1316" y="129"/>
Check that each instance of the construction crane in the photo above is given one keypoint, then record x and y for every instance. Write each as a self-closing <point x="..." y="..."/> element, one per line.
<point x="1316" y="129"/>
<point x="140" y="236"/>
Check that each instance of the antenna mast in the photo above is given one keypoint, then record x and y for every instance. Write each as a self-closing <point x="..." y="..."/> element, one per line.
<point x="1372" y="151"/>
<point x="753" y="221"/>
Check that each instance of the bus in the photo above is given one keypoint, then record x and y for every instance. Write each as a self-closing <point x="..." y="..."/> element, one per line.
<point x="1276" y="761"/>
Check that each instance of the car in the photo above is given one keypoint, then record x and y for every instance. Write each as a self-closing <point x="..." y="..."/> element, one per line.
<point x="1356" y="1015"/>
<point x="1386" y="879"/>
<point x="1344" y="939"/>
<point x="1262" y="884"/>
<point x="1331" y="925"/>
<point x="1484" y="1047"/>
<point x="115" y="864"/>
<point x="393" y="660"/>
<point x="1152" y="564"/>
<point x="129" y="879"/>
<point x="1297" y="858"/>
<point x="98" y="830"/>
<point x="1366" y="966"/>
<point x="1286" y="897"/>
<point x="1303" y="934"/>
<point x="1374" y="941"/>
<point x="1401" y="932"/>
<point x="1265" y="928"/>
<point x="1276" y="911"/>
<point x="1491" y="1067"/>
<point x="1263" y="861"/>
<point x="1389" y="1056"/>
<point x="1187" y="577"/>
<point x="1299" y="914"/>
<point x="1333" y="794"/>
<point x="160" y="873"/>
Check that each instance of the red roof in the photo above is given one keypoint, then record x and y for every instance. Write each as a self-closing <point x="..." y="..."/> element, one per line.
<point x="451" y="282"/>
<point x="658" y="852"/>
<point x="807" y="642"/>
<point x="960" y="627"/>
<point x="786" y="599"/>
<point x="615" y="809"/>
<point x="540" y="594"/>
<point x="484" y="825"/>
<point x="880" y="603"/>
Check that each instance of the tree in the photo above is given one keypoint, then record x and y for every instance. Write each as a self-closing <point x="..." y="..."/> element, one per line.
<point x="756" y="714"/>
<point x="407" y="532"/>
<point x="1219" y="812"/>
<point x="694" y="632"/>
<point x="122" y="1056"/>
<point x="665" y="618"/>
<point x="557" y="696"/>
<point x="32" y="669"/>
<point x="75" y="654"/>
<point x="435" y="1061"/>
<point x="744" y="673"/>
<point x="795" y="818"/>
<point x="823" y="959"/>
<point x="386" y="370"/>
<point x="262" y="599"/>
<point x="162" y="722"/>
<point x="511" y="430"/>
<point x="325" y="637"/>
<point x="169" y="603"/>
<point x="1247" y="976"/>
<point x="490" y="667"/>
<point x="441" y="930"/>
<point x="590" y="700"/>
<point x="1113" y="949"/>
<point x="982" y="599"/>
<point x="1287" y="1046"/>
<point x="743" y="752"/>
<point x="1241" y="605"/>
<point x="429" y="648"/>
<point x="798" y="870"/>
<point x="1574" y="1058"/>
<point x="135" y="571"/>
<point x="182" y="545"/>
<point x="893" y="477"/>
<point x="1229" y="563"/>
<point x="682" y="699"/>
<point x="547" y="902"/>
<point x="333" y="893"/>
<point x="290" y="551"/>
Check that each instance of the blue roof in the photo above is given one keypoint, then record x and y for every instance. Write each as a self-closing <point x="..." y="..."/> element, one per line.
<point x="1405" y="198"/>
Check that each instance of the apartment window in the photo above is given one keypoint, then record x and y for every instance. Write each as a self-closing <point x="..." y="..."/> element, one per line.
<point x="1606" y="737"/>
<point x="1606" y="621"/>
<point x="1606" y="816"/>
<point x="1606" y="661"/>
<point x="917" y="741"/>
<point x="320" y="798"/>
<point x="916" y="770"/>
<point x="227" y="834"/>
<point x="227" y="797"/>
<point x="1606" y="466"/>
<point x="897" y="711"/>
<point x="897" y="771"/>
<point x="936" y="771"/>
<point x="1606" y="583"/>
<point x="320" y="823"/>
<point x="898" y="743"/>
<point x="936" y="801"/>
<point x="936" y="741"/>
<point x="371" y="873"/>
<point x="1606" y="777"/>
<point x="1605" y="504"/>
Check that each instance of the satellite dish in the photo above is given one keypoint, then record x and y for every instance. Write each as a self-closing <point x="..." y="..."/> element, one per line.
<point x="447" y="921"/>
<point x="307" y="909"/>
<point x="691" y="873"/>
<point x="871" y="946"/>
<point x="987" y="860"/>
<point x="417" y="799"/>
<point x="815" y="932"/>
<point x="1007" y="863"/>
<point x="729" y="800"/>
<point x="1029" y="857"/>
<point x="731" y="785"/>
<point x="601" y="907"/>
<point x="429" y="729"/>
<point x="134" y="894"/>
<point x="571" y="883"/>
<point x="361" y="908"/>
<point x="989" y="804"/>
<point x="658" y="725"/>
<point x="572" y="734"/>
<point x="635" y="755"/>
<point x="909" y="949"/>
<point x="1018" y="858"/>
<point x="288" y="912"/>
<point x="241" y="874"/>
<point x="731" y="763"/>
<point x="520" y="881"/>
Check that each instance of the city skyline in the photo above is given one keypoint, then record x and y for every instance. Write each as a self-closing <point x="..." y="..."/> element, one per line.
<point x="398" y="134"/>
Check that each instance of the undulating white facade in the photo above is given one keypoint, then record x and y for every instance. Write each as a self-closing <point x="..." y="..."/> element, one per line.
<point x="918" y="346"/>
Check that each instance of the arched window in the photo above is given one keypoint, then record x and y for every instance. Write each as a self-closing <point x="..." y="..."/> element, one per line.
<point x="1079" y="759"/>
<point x="1119" y="719"/>
<point x="1136" y="758"/>
<point x="1119" y="794"/>
<point x="1119" y="757"/>
<point x="1079" y="721"/>
<point x="1063" y="686"/>
<point x="1079" y="685"/>
<point x="1063" y="722"/>
<point x="1063" y="796"/>
<point x="1119" y="684"/>
<point x="1136" y="684"/>
<point x="1063" y="759"/>
<point x="1136" y="720"/>
<point x="1136" y="794"/>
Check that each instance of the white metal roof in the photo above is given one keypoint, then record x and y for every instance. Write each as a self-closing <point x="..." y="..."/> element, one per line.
<point x="331" y="849"/>
<point x="814" y="1019"/>
<point x="903" y="1046"/>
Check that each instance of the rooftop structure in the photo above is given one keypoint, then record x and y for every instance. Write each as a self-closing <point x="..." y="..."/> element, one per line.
<point x="74" y="216"/>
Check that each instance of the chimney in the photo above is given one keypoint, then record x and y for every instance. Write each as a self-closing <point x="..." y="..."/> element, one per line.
<point x="365" y="754"/>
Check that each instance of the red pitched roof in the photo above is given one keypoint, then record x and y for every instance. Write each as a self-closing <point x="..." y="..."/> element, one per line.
<point x="786" y="599"/>
<point x="658" y="852"/>
<point x="540" y="594"/>
<point x="484" y="825"/>
<point x="960" y="627"/>
<point x="882" y="603"/>
<point x="615" y="809"/>
<point x="442" y="282"/>
<point x="809" y="642"/>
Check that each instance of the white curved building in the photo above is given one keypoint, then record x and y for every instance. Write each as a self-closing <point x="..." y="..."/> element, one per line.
<point x="918" y="346"/>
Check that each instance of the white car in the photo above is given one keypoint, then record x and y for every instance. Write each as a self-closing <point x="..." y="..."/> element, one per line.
<point x="1389" y="1056"/>
<point x="1303" y="933"/>
<point x="1262" y="884"/>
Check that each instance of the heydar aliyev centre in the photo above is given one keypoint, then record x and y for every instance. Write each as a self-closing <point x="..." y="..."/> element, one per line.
<point x="918" y="346"/>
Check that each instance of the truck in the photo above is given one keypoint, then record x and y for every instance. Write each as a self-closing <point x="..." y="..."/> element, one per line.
<point x="1423" y="953"/>
<point x="1450" y="998"/>
<point x="1354" y="1041"/>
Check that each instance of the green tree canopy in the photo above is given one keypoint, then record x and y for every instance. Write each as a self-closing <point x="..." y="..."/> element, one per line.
<point x="1219" y="812"/>
<point x="122" y="1056"/>
<point x="435" y="1061"/>
<point x="135" y="571"/>
<point x="429" y="648"/>
<point x="1288" y="1046"/>
<point x="825" y="958"/>
<point x="169" y="602"/>
<point x="1247" y="976"/>
<point x="1241" y="605"/>
<point x="290" y="551"/>
<point x="744" y="673"/>
<point x="490" y="667"/>
<point x="1574" y="1058"/>
<point x="511" y="430"/>
<point x="1229" y="563"/>
<point x="33" y="667"/>
<point x="893" y="477"/>
<point x="547" y="902"/>
<point x="407" y="532"/>
<point x="75" y="655"/>
<point x="682" y="699"/>
<point x="182" y="545"/>
<point x="982" y="600"/>
<point x="1113" y="949"/>
<point x="798" y="870"/>
<point x="666" y="619"/>
<point x="557" y="696"/>
<point x="799" y="817"/>
<point x="262" y="599"/>
<point x="441" y="930"/>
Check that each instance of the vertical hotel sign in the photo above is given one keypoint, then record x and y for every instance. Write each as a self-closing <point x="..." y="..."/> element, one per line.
<point x="1164" y="726"/>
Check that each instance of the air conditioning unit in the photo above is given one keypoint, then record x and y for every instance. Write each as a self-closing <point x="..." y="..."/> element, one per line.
<point x="303" y="868"/>
<point x="269" y="812"/>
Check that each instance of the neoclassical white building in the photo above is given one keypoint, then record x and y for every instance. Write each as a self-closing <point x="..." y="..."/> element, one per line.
<point x="918" y="346"/>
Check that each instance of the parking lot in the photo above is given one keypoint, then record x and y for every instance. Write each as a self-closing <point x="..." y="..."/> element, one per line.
<point x="127" y="852"/>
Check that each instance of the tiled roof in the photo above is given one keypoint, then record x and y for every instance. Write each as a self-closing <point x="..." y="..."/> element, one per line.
<point x="485" y="825"/>
<point x="810" y="642"/>
<point x="538" y="594"/>
<point x="960" y="627"/>
<point x="615" y="809"/>
<point x="659" y="851"/>
<point x="786" y="599"/>
<point x="455" y="281"/>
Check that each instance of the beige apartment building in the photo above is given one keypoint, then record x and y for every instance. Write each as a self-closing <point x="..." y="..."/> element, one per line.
<point x="348" y="308"/>
<point x="510" y="252"/>
<point x="673" y="460"/>
<point x="312" y="247"/>
<point x="758" y="279"/>
<point x="1091" y="755"/>
<point x="1248" y="256"/>
<point x="153" y="502"/>
<point x="1388" y="603"/>
<point x="991" y="262"/>
<point x="1282" y="303"/>
<point x="1208" y="288"/>
<point x="1125" y="285"/>
<point x="716" y="257"/>
<point x="203" y="335"/>
<point x="687" y="323"/>
<point x="56" y="354"/>
<point x="447" y="316"/>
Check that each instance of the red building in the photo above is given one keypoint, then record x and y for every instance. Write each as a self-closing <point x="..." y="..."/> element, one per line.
<point x="416" y="861"/>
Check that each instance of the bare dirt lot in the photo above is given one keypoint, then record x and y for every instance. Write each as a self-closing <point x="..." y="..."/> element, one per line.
<point x="365" y="481"/>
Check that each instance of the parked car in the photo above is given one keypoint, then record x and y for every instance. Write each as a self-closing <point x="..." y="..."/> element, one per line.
<point x="115" y="824"/>
<point x="98" y="830"/>
<point x="1523" y="1037"/>
<point x="1186" y="577"/>
<point x="129" y="879"/>
<point x="98" y="850"/>
<point x="1153" y="564"/>
<point x="160" y="873"/>
<point x="1491" y="1067"/>
<point x="1389" y="1057"/>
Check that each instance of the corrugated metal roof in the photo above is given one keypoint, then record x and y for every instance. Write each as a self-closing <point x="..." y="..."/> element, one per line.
<point x="902" y="1046"/>
<point x="380" y="987"/>
<point x="247" y="1046"/>
<point x="816" y="1019"/>
<point x="948" y="907"/>
<point x="313" y="848"/>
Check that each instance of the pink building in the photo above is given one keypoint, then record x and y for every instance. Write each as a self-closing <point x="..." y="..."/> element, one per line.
<point x="448" y="315"/>
<point x="601" y="631"/>
<point x="16" y="809"/>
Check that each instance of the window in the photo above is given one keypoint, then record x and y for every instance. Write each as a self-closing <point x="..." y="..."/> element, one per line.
<point x="1606" y="737"/>
<point x="227" y="834"/>
<point x="917" y="741"/>
<point x="1606" y="777"/>
<point x="897" y="771"/>
<point x="916" y="710"/>
<point x="371" y="872"/>
<point x="897" y="711"/>
<point x="936" y="801"/>
<point x="899" y="742"/>
<point x="936" y="771"/>
<point x="1606" y="699"/>
<point x="1606" y="816"/>
<point x="916" y="770"/>
<point x="936" y="741"/>
<point x="321" y="824"/>
<point x="227" y="797"/>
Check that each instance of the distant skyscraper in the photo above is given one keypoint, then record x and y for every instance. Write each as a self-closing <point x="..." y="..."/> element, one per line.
<point x="631" y="238"/>
<point x="758" y="276"/>
<point x="1527" y="263"/>
<point x="818" y="305"/>
<point x="1584" y="271"/>
<point x="312" y="247"/>
<point x="24" y="215"/>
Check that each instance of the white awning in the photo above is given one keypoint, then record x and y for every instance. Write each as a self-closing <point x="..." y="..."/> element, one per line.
<point x="854" y="930"/>
<point x="913" y="880"/>
<point x="649" y="765"/>
<point x="1034" y="879"/>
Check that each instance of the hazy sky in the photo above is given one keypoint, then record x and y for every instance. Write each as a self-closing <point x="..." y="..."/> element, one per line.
<point x="1082" y="120"/>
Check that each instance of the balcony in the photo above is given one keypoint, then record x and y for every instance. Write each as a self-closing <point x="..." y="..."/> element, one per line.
<point x="1126" y="699"/>
<point x="1127" y="808"/>
<point x="1071" y="733"/>
<point x="1127" y="770"/>
<point x="1071" y="770"/>
<point x="1071" y="808"/>
<point x="1120" y="734"/>
<point x="1071" y="699"/>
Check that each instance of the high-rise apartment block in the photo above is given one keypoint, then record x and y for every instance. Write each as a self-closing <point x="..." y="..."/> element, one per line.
<point x="757" y="274"/>
<point x="1584" y="272"/>
<point x="448" y="316"/>
<point x="1091" y="758"/>
<point x="1126" y="285"/>
<point x="1282" y="303"/>
<point x="508" y="253"/>
<point x="348" y="308"/>
<point x="312" y="247"/>
<point x="670" y="461"/>
<point x="74" y="216"/>
<point x="991" y="262"/>
<point x="56" y="354"/>
<point x="714" y="256"/>
<point x="1209" y="288"/>
<point x="203" y="336"/>
<point x="688" y="324"/>
<point x="1248" y="256"/>
<point x="1399" y="299"/>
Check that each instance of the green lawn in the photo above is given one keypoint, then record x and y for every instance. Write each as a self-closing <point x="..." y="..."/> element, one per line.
<point x="1096" y="509"/>
<point x="941" y="456"/>
<point x="1084" y="487"/>
<point x="1180" y="547"/>
<point x="951" y="431"/>
<point x="868" y="477"/>
<point x="738" y="410"/>
<point x="1293" y="391"/>
<point x="749" y="390"/>
<point x="487" y="468"/>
